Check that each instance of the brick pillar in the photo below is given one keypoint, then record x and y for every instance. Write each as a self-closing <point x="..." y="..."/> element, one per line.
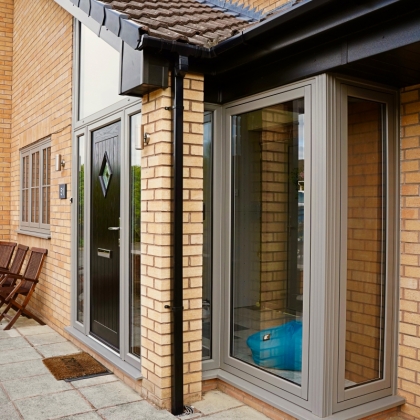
<point x="193" y="235"/>
<point x="6" y="61"/>
<point x="409" y="340"/>
<point x="157" y="263"/>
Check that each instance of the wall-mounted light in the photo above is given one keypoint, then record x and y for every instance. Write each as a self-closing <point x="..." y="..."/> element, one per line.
<point x="59" y="163"/>
<point x="144" y="138"/>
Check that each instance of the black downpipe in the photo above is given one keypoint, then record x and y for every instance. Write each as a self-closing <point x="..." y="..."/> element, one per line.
<point x="177" y="308"/>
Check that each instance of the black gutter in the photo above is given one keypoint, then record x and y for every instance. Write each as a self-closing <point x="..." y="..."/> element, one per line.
<point x="262" y="40"/>
<point x="180" y="70"/>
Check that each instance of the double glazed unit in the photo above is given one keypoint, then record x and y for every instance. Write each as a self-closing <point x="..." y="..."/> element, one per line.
<point x="299" y="302"/>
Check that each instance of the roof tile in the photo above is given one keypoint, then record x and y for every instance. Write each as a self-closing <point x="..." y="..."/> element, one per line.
<point x="182" y="20"/>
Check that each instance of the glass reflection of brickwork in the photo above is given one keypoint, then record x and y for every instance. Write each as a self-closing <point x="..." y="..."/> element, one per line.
<point x="268" y="243"/>
<point x="135" y="236"/>
<point x="207" y="234"/>
<point x="80" y="228"/>
<point x="365" y="243"/>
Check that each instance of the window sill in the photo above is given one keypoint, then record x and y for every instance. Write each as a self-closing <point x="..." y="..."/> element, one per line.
<point x="361" y="411"/>
<point x="34" y="234"/>
<point x="107" y="354"/>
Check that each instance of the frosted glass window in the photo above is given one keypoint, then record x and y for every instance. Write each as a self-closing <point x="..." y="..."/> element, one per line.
<point x="99" y="74"/>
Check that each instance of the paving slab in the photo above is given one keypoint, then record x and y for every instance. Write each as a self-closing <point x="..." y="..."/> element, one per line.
<point x="240" y="413"/>
<point x="13" y="343"/>
<point x="98" y="380"/>
<point x="107" y="395"/>
<point x="34" y="329"/>
<point x="139" y="411"/>
<point x="52" y="406"/>
<point x="9" y="412"/>
<point x="9" y="334"/>
<point x="58" y="349"/>
<point x="18" y="355"/>
<point x="85" y="416"/>
<point x="4" y="399"/>
<point x="21" y="370"/>
<point x="35" y="385"/>
<point x="21" y="322"/>
<point x="214" y="401"/>
<point x="43" y="339"/>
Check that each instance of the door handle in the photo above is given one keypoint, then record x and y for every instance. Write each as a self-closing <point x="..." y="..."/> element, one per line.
<point x="113" y="228"/>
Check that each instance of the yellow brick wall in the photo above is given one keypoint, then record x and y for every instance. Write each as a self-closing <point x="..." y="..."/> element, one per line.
<point x="156" y="263"/>
<point x="409" y="339"/>
<point x="6" y="57"/>
<point x="42" y="107"/>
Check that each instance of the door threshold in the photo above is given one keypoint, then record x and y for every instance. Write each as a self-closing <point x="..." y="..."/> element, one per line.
<point x="108" y="354"/>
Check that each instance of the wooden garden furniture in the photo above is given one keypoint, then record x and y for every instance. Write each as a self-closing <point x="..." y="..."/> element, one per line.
<point x="24" y="288"/>
<point x="6" y="252"/>
<point x="17" y="263"/>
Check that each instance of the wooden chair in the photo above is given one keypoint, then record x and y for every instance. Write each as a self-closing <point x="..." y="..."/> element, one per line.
<point x="7" y="281"/>
<point x="25" y="287"/>
<point x="6" y="252"/>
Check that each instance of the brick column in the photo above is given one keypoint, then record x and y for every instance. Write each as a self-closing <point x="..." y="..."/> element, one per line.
<point x="6" y="61"/>
<point x="157" y="263"/>
<point x="409" y="340"/>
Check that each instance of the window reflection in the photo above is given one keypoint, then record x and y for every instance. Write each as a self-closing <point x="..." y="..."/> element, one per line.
<point x="268" y="238"/>
<point x="207" y="230"/>
<point x="135" y="235"/>
<point x="80" y="228"/>
<point x="366" y="205"/>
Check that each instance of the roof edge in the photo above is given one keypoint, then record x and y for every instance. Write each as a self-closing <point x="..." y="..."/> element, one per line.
<point x="236" y="9"/>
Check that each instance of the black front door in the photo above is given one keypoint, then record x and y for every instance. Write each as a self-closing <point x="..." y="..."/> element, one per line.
<point x="104" y="253"/>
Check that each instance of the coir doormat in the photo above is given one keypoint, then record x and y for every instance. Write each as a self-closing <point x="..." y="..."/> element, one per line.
<point x="74" y="366"/>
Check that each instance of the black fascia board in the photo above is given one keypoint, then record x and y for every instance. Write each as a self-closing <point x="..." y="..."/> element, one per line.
<point x="313" y="22"/>
<point x="387" y="51"/>
<point x="295" y="31"/>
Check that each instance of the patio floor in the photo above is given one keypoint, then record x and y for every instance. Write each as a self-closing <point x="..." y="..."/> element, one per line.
<point x="28" y="390"/>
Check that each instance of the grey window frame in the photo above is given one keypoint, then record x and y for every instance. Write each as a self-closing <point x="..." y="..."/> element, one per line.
<point x="350" y="397"/>
<point x="31" y="228"/>
<point x="284" y="388"/>
<point x="322" y="399"/>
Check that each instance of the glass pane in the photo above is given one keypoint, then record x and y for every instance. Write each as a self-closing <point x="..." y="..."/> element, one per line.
<point x="80" y="228"/>
<point x="99" y="74"/>
<point x="35" y="188"/>
<point x="25" y="189"/>
<point x="208" y="239"/>
<point x="46" y="177"/>
<point x="268" y="213"/>
<point x="365" y="242"/>
<point x="135" y="236"/>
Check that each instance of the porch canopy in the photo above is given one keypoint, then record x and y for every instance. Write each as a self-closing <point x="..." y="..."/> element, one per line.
<point x="242" y="52"/>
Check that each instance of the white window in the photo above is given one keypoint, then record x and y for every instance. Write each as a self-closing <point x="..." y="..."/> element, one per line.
<point x="35" y="163"/>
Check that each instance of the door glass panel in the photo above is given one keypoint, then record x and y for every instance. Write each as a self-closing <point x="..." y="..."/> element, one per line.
<point x="80" y="228"/>
<point x="268" y="238"/>
<point x="366" y="224"/>
<point x="99" y="74"/>
<point x="135" y="235"/>
<point x="208" y="237"/>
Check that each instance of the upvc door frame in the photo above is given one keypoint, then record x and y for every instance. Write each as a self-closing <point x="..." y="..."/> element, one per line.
<point x="122" y="115"/>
